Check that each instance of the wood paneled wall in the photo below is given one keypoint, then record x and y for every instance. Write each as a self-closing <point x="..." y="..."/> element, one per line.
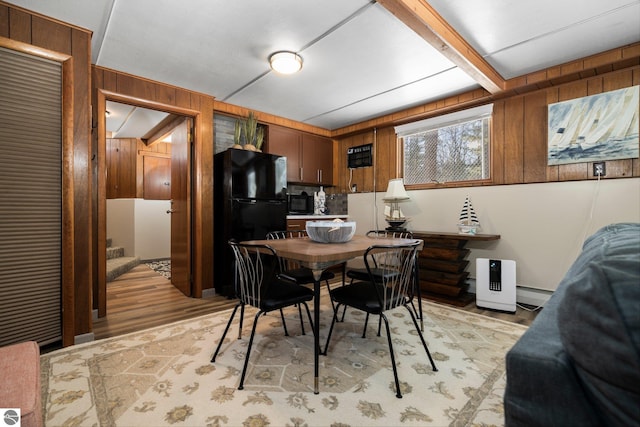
<point x="150" y="94"/>
<point x="519" y="139"/>
<point x="20" y="25"/>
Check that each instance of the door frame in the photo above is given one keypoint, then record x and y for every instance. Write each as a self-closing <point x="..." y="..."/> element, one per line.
<point x="101" y="245"/>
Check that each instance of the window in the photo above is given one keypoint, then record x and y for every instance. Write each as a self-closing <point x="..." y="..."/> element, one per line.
<point x="449" y="148"/>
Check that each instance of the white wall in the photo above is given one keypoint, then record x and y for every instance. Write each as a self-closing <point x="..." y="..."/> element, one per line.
<point x="120" y="224"/>
<point x="141" y="227"/>
<point x="542" y="226"/>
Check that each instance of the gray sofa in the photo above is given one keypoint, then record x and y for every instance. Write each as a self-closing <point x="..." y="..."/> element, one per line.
<point x="579" y="362"/>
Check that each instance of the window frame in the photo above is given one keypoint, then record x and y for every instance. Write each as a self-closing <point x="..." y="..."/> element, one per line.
<point x="445" y="120"/>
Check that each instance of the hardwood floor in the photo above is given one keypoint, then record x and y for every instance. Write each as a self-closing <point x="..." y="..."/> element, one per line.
<point x="143" y="299"/>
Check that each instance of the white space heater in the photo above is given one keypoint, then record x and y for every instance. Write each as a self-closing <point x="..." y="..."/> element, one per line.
<point x="496" y="284"/>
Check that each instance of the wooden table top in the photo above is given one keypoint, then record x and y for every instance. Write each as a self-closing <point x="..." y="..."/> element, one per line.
<point x="309" y="252"/>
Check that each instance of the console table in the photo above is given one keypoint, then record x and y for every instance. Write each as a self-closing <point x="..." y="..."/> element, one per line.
<point x="442" y="263"/>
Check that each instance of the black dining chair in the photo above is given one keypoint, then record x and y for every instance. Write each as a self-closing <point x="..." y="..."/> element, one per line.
<point x="258" y="285"/>
<point x="363" y="275"/>
<point x="293" y="272"/>
<point x="391" y="272"/>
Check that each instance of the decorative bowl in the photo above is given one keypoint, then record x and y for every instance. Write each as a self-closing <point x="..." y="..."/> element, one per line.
<point x="331" y="231"/>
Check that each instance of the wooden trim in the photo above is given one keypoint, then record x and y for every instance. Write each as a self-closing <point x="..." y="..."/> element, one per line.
<point x="102" y="97"/>
<point x="141" y="102"/>
<point x="68" y="206"/>
<point x="101" y="107"/>
<point x="45" y="17"/>
<point x="33" y="50"/>
<point x="234" y="110"/>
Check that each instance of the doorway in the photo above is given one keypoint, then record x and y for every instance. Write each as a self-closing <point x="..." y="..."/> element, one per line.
<point x="178" y="123"/>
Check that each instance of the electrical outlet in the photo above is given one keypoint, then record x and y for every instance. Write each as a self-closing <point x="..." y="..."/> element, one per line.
<point x="599" y="169"/>
<point x="354" y="188"/>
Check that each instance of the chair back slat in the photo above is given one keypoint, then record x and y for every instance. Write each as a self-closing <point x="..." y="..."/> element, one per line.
<point x="256" y="267"/>
<point x="390" y="234"/>
<point x="392" y="269"/>
<point x="286" y="264"/>
<point x="380" y="234"/>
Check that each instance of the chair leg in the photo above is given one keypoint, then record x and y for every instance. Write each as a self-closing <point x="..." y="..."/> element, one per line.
<point x="366" y="322"/>
<point x="224" y="334"/>
<point x="333" y="305"/>
<point x="393" y="359"/>
<point x="344" y="311"/>
<point x="301" y="321"/>
<point x="418" y="293"/>
<point x="424" y="343"/>
<point x="379" y="324"/>
<point x="241" y="321"/>
<point x="246" y="358"/>
<point x="334" y="319"/>
<point x="284" y="324"/>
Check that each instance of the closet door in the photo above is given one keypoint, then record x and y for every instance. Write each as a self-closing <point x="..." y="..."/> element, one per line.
<point x="30" y="198"/>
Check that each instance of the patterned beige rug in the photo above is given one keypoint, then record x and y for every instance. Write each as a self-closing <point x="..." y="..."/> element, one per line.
<point x="163" y="376"/>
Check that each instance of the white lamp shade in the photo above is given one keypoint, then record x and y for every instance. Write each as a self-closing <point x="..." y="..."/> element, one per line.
<point x="285" y="62"/>
<point x="396" y="191"/>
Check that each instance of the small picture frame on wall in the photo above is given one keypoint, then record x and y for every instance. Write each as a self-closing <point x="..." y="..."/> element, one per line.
<point x="594" y="128"/>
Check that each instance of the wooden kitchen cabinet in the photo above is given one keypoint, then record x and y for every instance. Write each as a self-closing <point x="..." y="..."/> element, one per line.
<point x="317" y="159"/>
<point x="309" y="157"/>
<point x="300" y="224"/>
<point x="286" y="142"/>
<point x="296" y="224"/>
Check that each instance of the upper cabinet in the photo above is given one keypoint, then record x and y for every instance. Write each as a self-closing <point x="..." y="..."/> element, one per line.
<point x="309" y="157"/>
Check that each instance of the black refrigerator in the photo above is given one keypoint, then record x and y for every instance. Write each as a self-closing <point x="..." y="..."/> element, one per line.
<point x="250" y="199"/>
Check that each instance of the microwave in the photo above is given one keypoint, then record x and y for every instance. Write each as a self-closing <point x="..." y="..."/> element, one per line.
<point x="300" y="204"/>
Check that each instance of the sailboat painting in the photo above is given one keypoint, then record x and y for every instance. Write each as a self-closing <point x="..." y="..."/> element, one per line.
<point x="468" y="222"/>
<point x="594" y="128"/>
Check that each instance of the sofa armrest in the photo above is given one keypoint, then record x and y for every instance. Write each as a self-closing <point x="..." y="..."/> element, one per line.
<point x="542" y="386"/>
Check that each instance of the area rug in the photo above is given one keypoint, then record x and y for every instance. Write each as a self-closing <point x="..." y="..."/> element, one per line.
<point x="163" y="376"/>
<point x="161" y="266"/>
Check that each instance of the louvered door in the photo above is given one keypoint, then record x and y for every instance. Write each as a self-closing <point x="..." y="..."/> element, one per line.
<point x="30" y="198"/>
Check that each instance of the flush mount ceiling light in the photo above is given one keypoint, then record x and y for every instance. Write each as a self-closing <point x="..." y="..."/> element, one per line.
<point x="285" y="62"/>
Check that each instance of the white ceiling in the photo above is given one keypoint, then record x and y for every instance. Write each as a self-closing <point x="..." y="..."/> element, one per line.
<point x="128" y="121"/>
<point x="360" y="61"/>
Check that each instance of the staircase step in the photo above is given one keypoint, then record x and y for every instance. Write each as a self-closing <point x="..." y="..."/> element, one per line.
<point x="115" y="252"/>
<point x="118" y="266"/>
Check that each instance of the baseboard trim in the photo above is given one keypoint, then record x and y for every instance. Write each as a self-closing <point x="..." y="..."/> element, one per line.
<point x="524" y="295"/>
<point x="532" y="296"/>
<point x="208" y="293"/>
<point x="81" y="339"/>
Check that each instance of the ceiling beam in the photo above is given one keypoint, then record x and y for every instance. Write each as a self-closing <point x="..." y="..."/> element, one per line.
<point x="162" y="129"/>
<point x="428" y="24"/>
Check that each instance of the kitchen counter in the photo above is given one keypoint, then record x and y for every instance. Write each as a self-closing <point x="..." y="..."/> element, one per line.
<point x="317" y="217"/>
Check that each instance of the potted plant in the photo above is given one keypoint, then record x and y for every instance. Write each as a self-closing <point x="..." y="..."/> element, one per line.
<point x="253" y="134"/>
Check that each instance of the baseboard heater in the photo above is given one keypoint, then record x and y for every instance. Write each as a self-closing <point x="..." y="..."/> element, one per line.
<point x="496" y="284"/>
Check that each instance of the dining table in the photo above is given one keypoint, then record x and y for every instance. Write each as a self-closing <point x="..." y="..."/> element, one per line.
<point x="318" y="257"/>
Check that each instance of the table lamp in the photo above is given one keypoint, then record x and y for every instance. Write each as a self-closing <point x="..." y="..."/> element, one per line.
<point x="392" y="213"/>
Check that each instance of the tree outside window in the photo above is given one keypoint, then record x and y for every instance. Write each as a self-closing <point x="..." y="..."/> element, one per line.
<point x="452" y="153"/>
